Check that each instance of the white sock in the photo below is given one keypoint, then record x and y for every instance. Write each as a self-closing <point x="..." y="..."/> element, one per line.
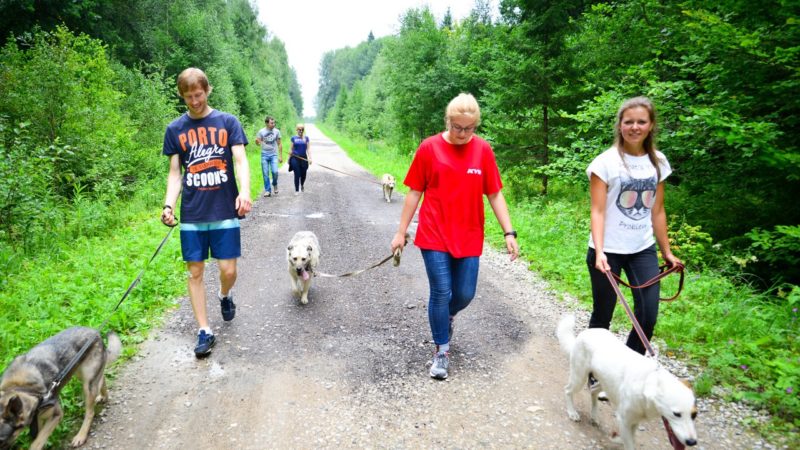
<point x="207" y="330"/>
<point x="443" y="348"/>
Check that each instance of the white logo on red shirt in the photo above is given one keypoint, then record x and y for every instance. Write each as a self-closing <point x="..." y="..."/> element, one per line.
<point x="473" y="171"/>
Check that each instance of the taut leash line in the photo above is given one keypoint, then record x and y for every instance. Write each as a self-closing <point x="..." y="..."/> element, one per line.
<point x="292" y="155"/>
<point x="55" y="386"/>
<point x="395" y="256"/>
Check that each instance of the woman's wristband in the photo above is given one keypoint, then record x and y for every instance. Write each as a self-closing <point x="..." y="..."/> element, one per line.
<point x="167" y="206"/>
<point x="510" y="233"/>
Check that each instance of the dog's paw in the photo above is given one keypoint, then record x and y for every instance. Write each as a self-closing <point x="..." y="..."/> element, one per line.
<point x="78" y="440"/>
<point x="304" y="300"/>
<point x="574" y="416"/>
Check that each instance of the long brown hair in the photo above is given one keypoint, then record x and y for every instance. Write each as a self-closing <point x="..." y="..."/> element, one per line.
<point x="650" y="141"/>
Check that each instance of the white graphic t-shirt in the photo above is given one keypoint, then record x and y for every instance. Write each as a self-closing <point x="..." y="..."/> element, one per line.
<point x="630" y="198"/>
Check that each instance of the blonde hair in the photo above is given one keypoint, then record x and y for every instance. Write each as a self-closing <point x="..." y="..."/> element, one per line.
<point x="191" y="78"/>
<point x="463" y="105"/>
<point x="300" y="126"/>
<point x="649" y="143"/>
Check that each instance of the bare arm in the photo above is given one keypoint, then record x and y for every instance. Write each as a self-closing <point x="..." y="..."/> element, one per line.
<point x="173" y="190"/>
<point x="659" y="218"/>
<point x="409" y="208"/>
<point x="243" y="202"/>
<point x="598" y="189"/>
<point x="308" y="152"/>
<point x="500" y="208"/>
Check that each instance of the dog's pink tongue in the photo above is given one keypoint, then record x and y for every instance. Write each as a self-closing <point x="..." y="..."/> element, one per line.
<point x="306" y="276"/>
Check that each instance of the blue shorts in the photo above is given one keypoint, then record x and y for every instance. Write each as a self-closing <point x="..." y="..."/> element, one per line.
<point x="222" y="238"/>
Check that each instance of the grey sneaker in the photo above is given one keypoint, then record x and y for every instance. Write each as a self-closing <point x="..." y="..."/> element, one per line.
<point x="227" y="306"/>
<point x="275" y="190"/>
<point x="594" y="385"/>
<point x="204" y="343"/>
<point x="267" y="194"/>
<point x="441" y="361"/>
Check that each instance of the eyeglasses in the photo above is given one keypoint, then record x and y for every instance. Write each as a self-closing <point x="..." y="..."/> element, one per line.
<point x="630" y="199"/>
<point x="460" y="129"/>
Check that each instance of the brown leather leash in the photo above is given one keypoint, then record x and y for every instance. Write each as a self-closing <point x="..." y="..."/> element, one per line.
<point x="612" y="278"/>
<point x="292" y="155"/>
<point x="664" y="270"/>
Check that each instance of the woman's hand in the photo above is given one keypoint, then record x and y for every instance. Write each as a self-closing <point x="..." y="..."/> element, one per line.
<point x="512" y="246"/>
<point x="671" y="259"/>
<point x="398" y="241"/>
<point x="168" y="216"/>
<point x="601" y="262"/>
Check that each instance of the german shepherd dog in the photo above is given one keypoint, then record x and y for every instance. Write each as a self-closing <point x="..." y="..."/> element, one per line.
<point x="26" y="382"/>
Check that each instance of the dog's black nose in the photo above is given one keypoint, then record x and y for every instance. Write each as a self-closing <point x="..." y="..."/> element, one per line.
<point x="691" y="442"/>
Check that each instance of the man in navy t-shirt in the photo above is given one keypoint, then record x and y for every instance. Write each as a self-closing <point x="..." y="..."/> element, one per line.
<point x="206" y="150"/>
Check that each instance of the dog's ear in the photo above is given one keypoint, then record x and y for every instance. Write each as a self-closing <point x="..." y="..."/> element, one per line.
<point x="14" y="408"/>
<point x="651" y="387"/>
<point x="289" y="247"/>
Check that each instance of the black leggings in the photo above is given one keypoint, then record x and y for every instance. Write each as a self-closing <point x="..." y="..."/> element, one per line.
<point x="639" y="268"/>
<point x="300" y="168"/>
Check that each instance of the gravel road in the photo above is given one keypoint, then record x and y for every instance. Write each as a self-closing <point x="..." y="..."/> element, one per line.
<point x="350" y="369"/>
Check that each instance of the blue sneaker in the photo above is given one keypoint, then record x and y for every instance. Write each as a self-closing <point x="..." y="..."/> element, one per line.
<point x="227" y="306"/>
<point x="204" y="343"/>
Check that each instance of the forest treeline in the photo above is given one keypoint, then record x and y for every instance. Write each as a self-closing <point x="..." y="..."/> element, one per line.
<point x="86" y="91"/>
<point x="550" y="76"/>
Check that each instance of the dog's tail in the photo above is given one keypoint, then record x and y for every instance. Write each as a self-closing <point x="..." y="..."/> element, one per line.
<point x="113" y="348"/>
<point x="565" y="333"/>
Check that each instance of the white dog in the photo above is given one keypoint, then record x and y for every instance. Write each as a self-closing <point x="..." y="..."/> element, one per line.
<point x="303" y="256"/>
<point x="635" y="385"/>
<point x="388" y="186"/>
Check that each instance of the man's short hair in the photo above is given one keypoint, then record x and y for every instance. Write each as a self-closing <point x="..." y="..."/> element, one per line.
<point x="191" y="78"/>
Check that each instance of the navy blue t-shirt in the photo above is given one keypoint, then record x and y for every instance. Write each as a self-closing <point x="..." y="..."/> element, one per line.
<point x="300" y="146"/>
<point x="209" y="183"/>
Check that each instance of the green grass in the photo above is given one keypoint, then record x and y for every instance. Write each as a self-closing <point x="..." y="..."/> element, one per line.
<point x="78" y="280"/>
<point x="742" y="344"/>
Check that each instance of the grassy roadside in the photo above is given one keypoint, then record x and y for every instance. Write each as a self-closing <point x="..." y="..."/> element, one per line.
<point x="80" y="280"/>
<point x="742" y="344"/>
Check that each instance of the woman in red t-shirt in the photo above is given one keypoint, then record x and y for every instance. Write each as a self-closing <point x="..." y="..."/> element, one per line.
<point x="454" y="170"/>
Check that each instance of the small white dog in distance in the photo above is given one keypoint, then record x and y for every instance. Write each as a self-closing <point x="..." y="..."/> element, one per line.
<point x="635" y="385"/>
<point x="303" y="257"/>
<point x="388" y="186"/>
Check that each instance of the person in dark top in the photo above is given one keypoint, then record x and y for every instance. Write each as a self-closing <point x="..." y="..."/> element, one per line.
<point x="206" y="150"/>
<point x="300" y="158"/>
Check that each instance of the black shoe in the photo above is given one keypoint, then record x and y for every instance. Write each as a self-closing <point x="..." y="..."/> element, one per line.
<point x="204" y="343"/>
<point x="228" y="307"/>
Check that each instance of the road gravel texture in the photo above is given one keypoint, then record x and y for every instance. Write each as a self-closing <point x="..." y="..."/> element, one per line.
<point x="350" y="369"/>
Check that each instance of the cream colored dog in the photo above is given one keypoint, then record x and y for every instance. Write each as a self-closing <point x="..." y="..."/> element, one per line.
<point x="635" y="385"/>
<point x="303" y="257"/>
<point x="388" y="186"/>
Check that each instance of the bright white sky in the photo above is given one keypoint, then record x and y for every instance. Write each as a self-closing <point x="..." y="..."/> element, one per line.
<point x="309" y="28"/>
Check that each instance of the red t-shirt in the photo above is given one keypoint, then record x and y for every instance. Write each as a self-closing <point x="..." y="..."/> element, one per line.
<point x="454" y="179"/>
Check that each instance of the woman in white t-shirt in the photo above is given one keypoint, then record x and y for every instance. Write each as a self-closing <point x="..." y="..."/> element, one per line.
<point x="628" y="217"/>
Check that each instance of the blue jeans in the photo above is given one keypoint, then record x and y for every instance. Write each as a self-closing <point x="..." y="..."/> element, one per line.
<point x="269" y="163"/>
<point x="452" y="283"/>
<point x="639" y="267"/>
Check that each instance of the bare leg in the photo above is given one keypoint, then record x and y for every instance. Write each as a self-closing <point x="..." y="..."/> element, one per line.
<point x="227" y="275"/>
<point x="197" y="292"/>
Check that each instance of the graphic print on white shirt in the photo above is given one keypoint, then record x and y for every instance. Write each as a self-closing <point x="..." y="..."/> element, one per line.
<point x="636" y="196"/>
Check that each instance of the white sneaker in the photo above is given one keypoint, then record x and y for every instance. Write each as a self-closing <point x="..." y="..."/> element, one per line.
<point x="441" y="361"/>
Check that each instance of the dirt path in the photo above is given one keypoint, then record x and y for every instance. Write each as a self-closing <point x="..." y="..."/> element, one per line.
<point x="349" y="370"/>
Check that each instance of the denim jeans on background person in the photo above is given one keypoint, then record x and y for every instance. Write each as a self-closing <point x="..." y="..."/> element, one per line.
<point x="269" y="163"/>
<point x="639" y="268"/>
<point x="452" y="285"/>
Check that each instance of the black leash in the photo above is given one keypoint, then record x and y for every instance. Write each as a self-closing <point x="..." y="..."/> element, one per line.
<point x="395" y="256"/>
<point x="50" y="398"/>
